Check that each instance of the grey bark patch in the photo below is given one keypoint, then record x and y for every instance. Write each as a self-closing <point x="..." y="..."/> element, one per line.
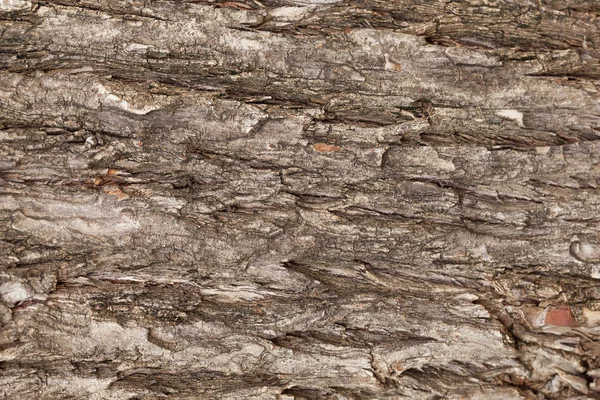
<point x="587" y="252"/>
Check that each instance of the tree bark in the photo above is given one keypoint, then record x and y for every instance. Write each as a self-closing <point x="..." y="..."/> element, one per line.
<point x="299" y="199"/>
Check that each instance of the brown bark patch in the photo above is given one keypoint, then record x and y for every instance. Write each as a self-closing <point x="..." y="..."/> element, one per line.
<point x="560" y="316"/>
<point x="326" y="148"/>
<point x="115" y="191"/>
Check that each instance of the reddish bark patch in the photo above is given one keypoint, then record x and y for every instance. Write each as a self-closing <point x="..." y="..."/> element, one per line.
<point x="115" y="191"/>
<point x="326" y="148"/>
<point x="235" y="4"/>
<point x="560" y="316"/>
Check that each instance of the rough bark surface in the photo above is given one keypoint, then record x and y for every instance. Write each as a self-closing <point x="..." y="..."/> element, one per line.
<point x="299" y="199"/>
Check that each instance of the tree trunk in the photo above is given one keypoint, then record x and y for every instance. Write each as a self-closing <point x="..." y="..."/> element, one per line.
<point x="299" y="199"/>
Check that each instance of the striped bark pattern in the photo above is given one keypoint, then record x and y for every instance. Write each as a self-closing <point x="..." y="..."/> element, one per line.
<point x="299" y="199"/>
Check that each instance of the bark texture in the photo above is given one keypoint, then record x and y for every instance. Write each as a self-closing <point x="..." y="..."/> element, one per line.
<point x="299" y="199"/>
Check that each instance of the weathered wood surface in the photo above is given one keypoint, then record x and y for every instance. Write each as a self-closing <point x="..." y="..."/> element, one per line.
<point x="310" y="199"/>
